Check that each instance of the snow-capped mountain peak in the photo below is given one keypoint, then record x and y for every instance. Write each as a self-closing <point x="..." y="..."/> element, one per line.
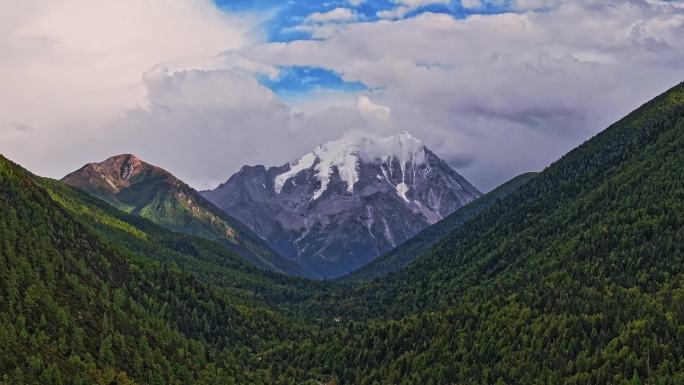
<point x="347" y="201"/>
<point x="345" y="155"/>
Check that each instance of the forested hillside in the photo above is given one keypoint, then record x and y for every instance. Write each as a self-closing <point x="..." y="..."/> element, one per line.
<point x="576" y="277"/>
<point x="92" y="295"/>
<point x="405" y="253"/>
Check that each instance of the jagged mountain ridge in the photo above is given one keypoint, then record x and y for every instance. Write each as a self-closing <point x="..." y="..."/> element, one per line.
<point x="149" y="191"/>
<point x="347" y="202"/>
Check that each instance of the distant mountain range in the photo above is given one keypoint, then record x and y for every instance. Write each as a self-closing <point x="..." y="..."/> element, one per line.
<point x="346" y="202"/>
<point x="139" y="188"/>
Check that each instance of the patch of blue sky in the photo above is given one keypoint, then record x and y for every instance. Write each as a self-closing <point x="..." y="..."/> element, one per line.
<point x="298" y="80"/>
<point x="286" y="15"/>
<point x="369" y="9"/>
<point x="283" y="15"/>
<point x="490" y="7"/>
<point x="246" y="5"/>
<point x="281" y="28"/>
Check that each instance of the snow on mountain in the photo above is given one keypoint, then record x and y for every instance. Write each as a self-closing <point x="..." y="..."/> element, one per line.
<point x="349" y="200"/>
<point x="345" y="154"/>
<point x="302" y="164"/>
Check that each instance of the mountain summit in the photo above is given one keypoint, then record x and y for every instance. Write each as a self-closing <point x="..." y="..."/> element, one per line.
<point x="343" y="204"/>
<point x="113" y="175"/>
<point x="142" y="189"/>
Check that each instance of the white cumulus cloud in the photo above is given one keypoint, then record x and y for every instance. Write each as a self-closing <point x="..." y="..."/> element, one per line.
<point x="69" y="66"/>
<point x="494" y="95"/>
<point x="337" y="14"/>
<point x="372" y="111"/>
<point x="405" y="6"/>
<point x="471" y="4"/>
<point x="505" y="93"/>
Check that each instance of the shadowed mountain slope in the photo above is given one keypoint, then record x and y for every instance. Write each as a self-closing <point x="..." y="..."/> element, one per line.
<point x="348" y="201"/>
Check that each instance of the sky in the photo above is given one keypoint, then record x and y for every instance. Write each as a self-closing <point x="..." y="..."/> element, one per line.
<point x="201" y="88"/>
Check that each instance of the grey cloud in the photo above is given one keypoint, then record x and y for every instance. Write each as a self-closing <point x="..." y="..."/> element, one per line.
<point x="204" y="125"/>
<point x="504" y="94"/>
<point x="500" y="95"/>
<point x="460" y="161"/>
<point x="21" y="128"/>
<point x="513" y="91"/>
<point x="69" y="67"/>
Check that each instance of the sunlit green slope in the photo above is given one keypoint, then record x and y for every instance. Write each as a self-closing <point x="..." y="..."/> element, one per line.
<point x="153" y="193"/>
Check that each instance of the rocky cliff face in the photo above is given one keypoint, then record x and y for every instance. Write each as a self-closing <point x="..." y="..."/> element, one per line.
<point x="345" y="203"/>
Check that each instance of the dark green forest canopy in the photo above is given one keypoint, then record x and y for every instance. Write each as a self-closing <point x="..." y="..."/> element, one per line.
<point x="576" y="277"/>
<point x="90" y="294"/>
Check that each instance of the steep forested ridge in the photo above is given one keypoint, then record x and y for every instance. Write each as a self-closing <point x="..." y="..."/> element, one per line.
<point x="90" y="294"/>
<point x="405" y="253"/>
<point x="576" y="277"/>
